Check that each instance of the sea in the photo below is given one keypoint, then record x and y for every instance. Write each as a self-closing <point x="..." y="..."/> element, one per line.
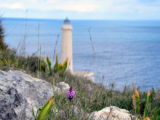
<point x="119" y="52"/>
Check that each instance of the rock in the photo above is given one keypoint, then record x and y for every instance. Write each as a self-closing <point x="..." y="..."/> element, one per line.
<point x="19" y="92"/>
<point x="88" y="87"/>
<point x="57" y="90"/>
<point x="63" y="86"/>
<point x="12" y="105"/>
<point x="115" y="114"/>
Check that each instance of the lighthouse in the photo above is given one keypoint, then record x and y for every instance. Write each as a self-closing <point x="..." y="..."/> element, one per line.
<point x="66" y="50"/>
<point x="66" y="44"/>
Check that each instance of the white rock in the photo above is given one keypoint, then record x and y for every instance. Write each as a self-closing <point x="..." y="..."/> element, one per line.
<point x="57" y="90"/>
<point x="63" y="86"/>
<point x="19" y="92"/>
<point x="112" y="113"/>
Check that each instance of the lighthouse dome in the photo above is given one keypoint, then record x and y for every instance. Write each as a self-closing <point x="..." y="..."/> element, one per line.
<point x="66" y="21"/>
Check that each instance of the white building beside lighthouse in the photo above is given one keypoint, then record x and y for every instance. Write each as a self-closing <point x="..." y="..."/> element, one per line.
<point x="66" y="50"/>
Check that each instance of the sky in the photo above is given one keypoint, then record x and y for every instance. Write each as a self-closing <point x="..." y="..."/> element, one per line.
<point x="82" y="9"/>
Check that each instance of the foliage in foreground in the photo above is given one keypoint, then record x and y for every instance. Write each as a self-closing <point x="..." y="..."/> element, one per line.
<point x="46" y="110"/>
<point x="86" y="100"/>
<point x="148" y="111"/>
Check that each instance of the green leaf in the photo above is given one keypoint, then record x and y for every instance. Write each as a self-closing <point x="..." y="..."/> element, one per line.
<point x="49" y="64"/>
<point x="46" y="110"/>
<point x="156" y="115"/>
<point x="48" y="61"/>
<point x="33" y="113"/>
<point x="43" y="68"/>
<point x="55" y="68"/>
<point x="65" y="64"/>
<point x="43" y="61"/>
<point x="148" y="105"/>
<point x="137" y="105"/>
<point x="158" y="112"/>
<point x="60" y="67"/>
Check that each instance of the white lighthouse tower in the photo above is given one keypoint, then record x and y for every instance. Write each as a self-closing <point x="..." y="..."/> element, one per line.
<point x="66" y="50"/>
<point x="66" y="44"/>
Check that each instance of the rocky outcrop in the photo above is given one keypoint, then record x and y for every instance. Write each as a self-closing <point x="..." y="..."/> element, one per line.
<point x="111" y="113"/>
<point x="19" y="92"/>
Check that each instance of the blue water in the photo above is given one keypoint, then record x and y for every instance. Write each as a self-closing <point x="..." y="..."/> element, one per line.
<point x="125" y="51"/>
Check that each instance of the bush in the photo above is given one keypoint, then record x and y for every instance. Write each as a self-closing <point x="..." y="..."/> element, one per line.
<point x="3" y="45"/>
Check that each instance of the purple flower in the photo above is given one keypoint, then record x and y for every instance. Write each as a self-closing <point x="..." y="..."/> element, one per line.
<point x="71" y="94"/>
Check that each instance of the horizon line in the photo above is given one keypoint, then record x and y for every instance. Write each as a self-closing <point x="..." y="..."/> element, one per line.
<point x="82" y="19"/>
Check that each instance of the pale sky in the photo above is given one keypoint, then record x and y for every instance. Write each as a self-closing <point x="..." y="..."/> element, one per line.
<point x="82" y="9"/>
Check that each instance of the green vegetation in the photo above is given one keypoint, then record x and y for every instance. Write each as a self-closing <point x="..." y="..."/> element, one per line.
<point x="3" y="45"/>
<point x="46" y="110"/>
<point x="86" y="100"/>
<point x="149" y="110"/>
<point x="58" y="67"/>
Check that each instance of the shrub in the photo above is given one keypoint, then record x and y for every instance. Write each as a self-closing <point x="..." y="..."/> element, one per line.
<point x="58" y="67"/>
<point x="3" y="45"/>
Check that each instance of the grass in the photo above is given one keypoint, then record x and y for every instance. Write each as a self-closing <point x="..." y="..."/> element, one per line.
<point x="86" y="100"/>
